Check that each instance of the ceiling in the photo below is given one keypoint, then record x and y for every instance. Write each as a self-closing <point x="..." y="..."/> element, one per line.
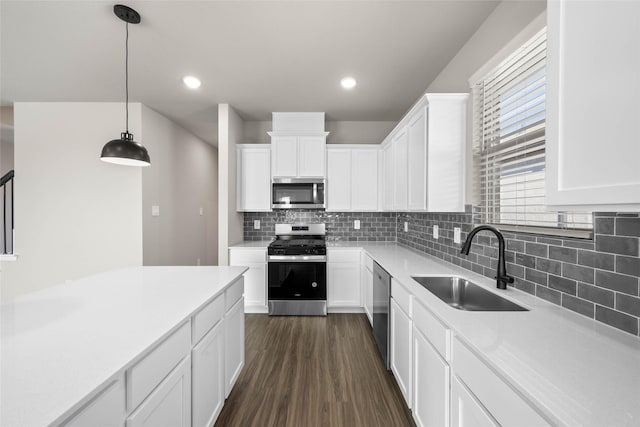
<point x="257" y="56"/>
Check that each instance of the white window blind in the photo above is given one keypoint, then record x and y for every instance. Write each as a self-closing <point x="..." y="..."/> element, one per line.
<point x="509" y="134"/>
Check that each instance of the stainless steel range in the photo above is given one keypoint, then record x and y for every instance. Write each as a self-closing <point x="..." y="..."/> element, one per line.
<point x="297" y="266"/>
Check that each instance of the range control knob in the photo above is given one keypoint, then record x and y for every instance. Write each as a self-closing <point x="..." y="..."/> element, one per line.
<point x="314" y="285"/>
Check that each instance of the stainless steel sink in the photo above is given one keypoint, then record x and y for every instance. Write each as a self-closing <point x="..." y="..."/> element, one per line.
<point x="465" y="295"/>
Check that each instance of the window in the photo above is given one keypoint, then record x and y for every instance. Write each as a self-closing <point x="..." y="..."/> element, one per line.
<point x="509" y="140"/>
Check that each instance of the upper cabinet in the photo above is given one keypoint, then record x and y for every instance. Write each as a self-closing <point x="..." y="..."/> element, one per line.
<point x="352" y="177"/>
<point x="593" y="137"/>
<point x="423" y="157"/>
<point x="298" y="145"/>
<point x="254" y="178"/>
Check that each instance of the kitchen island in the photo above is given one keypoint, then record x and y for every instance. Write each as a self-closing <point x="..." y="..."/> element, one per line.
<point x="67" y="350"/>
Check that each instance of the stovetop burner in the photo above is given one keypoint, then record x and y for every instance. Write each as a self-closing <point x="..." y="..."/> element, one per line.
<point x="299" y="239"/>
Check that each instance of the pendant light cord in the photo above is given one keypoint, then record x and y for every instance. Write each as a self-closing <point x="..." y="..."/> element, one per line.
<point x="126" y="76"/>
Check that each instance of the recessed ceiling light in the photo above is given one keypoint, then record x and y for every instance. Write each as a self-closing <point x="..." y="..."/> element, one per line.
<point x="191" y="82"/>
<point x="348" y="82"/>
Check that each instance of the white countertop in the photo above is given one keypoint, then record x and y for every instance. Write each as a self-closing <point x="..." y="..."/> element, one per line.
<point x="252" y="244"/>
<point x="61" y="344"/>
<point x="576" y="370"/>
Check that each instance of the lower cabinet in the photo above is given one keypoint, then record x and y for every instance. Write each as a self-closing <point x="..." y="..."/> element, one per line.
<point x="234" y="344"/>
<point x="255" y="280"/>
<point x="343" y="280"/>
<point x="431" y="375"/>
<point x="208" y="377"/>
<point x="169" y="404"/>
<point x="366" y="276"/>
<point x="466" y="410"/>
<point x="401" y="349"/>
<point x="105" y="410"/>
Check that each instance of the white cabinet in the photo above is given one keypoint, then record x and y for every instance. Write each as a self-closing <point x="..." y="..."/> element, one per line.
<point x="105" y="410"/>
<point x="343" y="281"/>
<point x="298" y="156"/>
<point x="467" y="411"/>
<point x="366" y="276"/>
<point x="400" y="352"/>
<point x="208" y="377"/>
<point x="169" y="405"/>
<point x="254" y="177"/>
<point x="233" y="344"/>
<point x="592" y="92"/>
<point x="255" y="279"/>
<point x="388" y="177"/>
<point x="424" y="157"/>
<point x="400" y="152"/>
<point x="352" y="178"/>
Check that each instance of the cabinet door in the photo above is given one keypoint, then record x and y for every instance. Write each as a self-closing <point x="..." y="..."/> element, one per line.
<point x="338" y="180"/>
<point x="169" y="405"/>
<point x="105" y="410"/>
<point x="431" y="402"/>
<point x="284" y="156"/>
<point x="233" y="344"/>
<point x="593" y="137"/>
<point x="388" y="178"/>
<point x="417" y="160"/>
<point x="254" y="179"/>
<point x="208" y="377"/>
<point x="401" y="350"/>
<point x="364" y="179"/>
<point x="400" y="160"/>
<point x="255" y="288"/>
<point x="311" y="156"/>
<point x="466" y="411"/>
<point x="343" y="285"/>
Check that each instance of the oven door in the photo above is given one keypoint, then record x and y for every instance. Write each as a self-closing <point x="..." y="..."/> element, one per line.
<point x="297" y="277"/>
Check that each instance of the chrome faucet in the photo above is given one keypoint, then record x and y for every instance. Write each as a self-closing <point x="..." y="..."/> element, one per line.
<point x="502" y="278"/>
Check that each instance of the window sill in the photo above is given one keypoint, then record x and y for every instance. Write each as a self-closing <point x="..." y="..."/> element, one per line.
<point x="551" y="232"/>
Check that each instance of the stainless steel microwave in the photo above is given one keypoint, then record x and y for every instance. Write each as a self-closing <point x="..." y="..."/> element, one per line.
<point x="297" y="193"/>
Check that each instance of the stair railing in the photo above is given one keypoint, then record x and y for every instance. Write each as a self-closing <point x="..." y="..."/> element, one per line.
<point x="6" y="181"/>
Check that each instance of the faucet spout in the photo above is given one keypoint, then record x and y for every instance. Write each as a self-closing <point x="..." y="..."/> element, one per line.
<point x="502" y="278"/>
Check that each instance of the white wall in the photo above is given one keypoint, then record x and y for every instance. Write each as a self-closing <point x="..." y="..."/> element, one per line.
<point x="182" y="179"/>
<point x="343" y="132"/>
<point x="6" y="139"/>
<point x="75" y="215"/>
<point x="502" y="26"/>
<point x="230" y="222"/>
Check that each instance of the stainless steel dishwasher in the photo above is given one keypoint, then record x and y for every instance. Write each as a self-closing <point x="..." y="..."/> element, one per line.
<point x="381" y="294"/>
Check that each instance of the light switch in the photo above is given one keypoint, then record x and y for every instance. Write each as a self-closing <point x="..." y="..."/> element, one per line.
<point x="155" y="210"/>
<point x="201" y="211"/>
<point x="406" y="227"/>
<point x="356" y="224"/>
<point x="456" y="234"/>
<point x="256" y="224"/>
<point x="198" y="261"/>
<point x="435" y="231"/>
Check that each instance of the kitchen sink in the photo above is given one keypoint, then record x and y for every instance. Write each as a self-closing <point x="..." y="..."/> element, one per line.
<point x="465" y="295"/>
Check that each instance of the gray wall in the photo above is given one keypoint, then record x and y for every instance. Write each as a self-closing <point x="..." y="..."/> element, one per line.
<point x="182" y="180"/>
<point x="344" y="132"/>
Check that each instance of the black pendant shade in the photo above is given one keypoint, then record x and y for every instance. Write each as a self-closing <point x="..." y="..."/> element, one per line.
<point x="125" y="151"/>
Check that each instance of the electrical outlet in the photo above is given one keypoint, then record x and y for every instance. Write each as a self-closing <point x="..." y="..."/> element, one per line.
<point x="456" y="234"/>
<point x="155" y="210"/>
<point x="198" y="261"/>
<point x="356" y="224"/>
<point x="406" y="227"/>
<point x="256" y="224"/>
<point x="435" y="231"/>
<point x="201" y="211"/>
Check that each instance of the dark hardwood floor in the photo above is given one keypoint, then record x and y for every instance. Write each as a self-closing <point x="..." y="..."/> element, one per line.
<point x="313" y="371"/>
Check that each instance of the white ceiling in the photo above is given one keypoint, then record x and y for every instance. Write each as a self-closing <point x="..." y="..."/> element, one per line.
<point x="258" y="56"/>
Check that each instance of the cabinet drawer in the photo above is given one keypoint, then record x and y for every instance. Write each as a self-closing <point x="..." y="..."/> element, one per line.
<point x="145" y="375"/>
<point x="206" y="318"/>
<point x="504" y="403"/>
<point x="247" y="256"/>
<point x="402" y="296"/>
<point x="233" y="293"/>
<point x="435" y="331"/>
<point x="343" y="255"/>
<point x="367" y="261"/>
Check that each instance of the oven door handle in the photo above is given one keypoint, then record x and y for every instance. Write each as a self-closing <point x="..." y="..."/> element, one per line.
<point x="298" y="258"/>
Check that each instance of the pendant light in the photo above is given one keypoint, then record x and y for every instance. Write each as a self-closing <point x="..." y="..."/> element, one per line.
<point x="126" y="151"/>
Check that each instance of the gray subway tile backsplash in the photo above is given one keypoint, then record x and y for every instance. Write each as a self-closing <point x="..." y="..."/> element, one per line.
<point x="598" y="277"/>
